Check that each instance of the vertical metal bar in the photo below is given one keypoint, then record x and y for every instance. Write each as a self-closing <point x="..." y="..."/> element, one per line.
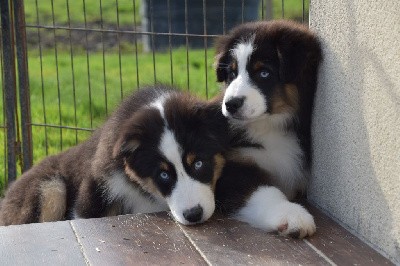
<point x="104" y="58"/>
<point x="9" y="84"/>
<point x="119" y="51"/>
<point x="262" y="10"/>
<point x="153" y="46"/>
<point x="42" y="80"/>
<point x="58" y="75"/>
<point x="187" y="44"/>
<point x="72" y="73"/>
<point x="136" y="43"/>
<point x="170" y="42"/>
<point x="223" y="17"/>
<point x="242" y="11"/>
<point x="23" y="82"/>
<point x="205" y="44"/>
<point x="3" y="127"/>
<point x="268" y="6"/>
<point x="88" y="65"/>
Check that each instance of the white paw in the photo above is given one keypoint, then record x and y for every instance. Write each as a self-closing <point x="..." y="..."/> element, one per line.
<point x="295" y="221"/>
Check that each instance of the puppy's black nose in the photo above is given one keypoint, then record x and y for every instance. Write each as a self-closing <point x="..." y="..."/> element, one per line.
<point x="234" y="104"/>
<point x="194" y="214"/>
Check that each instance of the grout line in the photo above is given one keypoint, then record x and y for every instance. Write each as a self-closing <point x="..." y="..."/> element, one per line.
<point x="194" y="245"/>
<point x="80" y="243"/>
<point x="319" y="252"/>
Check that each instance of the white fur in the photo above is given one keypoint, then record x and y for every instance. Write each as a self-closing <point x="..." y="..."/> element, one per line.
<point x="133" y="201"/>
<point x="281" y="156"/>
<point x="159" y="104"/>
<point x="254" y="104"/>
<point x="269" y="209"/>
<point x="187" y="193"/>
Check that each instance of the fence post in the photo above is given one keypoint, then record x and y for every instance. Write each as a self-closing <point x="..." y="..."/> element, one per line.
<point x="23" y="82"/>
<point x="9" y="85"/>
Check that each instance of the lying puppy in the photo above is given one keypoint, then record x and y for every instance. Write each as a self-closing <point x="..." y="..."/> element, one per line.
<point x="269" y="70"/>
<point x="161" y="149"/>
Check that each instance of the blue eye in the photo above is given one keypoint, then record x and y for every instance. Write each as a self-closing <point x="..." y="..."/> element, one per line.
<point x="198" y="165"/>
<point x="264" y="74"/>
<point x="164" y="175"/>
<point x="232" y="75"/>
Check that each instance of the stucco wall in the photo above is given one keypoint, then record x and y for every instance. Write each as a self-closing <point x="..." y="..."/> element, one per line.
<point x="356" y="126"/>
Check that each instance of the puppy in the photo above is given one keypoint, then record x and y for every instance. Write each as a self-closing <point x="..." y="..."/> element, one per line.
<point x="269" y="72"/>
<point x="161" y="149"/>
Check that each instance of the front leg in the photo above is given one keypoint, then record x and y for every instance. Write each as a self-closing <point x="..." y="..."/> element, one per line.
<point x="244" y="192"/>
<point x="268" y="209"/>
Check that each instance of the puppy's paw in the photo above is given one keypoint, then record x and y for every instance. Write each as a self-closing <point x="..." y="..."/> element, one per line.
<point x="295" y="221"/>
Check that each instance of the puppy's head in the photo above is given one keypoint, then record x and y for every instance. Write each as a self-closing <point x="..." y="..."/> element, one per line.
<point x="173" y="150"/>
<point x="266" y="67"/>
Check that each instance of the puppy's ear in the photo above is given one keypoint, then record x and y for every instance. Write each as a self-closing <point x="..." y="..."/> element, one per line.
<point x="221" y="65"/>
<point x="124" y="146"/>
<point x="299" y="54"/>
<point x="217" y="125"/>
<point x="222" y="57"/>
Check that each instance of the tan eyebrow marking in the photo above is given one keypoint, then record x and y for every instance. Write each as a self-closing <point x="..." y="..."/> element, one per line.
<point x="164" y="166"/>
<point x="234" y="65"/>
<point x="258" y="65"/>
<point x="190" y="158"/>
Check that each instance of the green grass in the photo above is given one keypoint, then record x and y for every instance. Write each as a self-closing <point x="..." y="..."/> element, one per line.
<point x="73" y="9"/>
<point x="91" y="110"/>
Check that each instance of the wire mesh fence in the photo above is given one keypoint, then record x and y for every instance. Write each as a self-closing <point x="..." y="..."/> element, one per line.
<point x="82" y="57"/>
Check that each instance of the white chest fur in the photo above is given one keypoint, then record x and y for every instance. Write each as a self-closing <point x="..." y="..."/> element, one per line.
<point x="280" y="155"/>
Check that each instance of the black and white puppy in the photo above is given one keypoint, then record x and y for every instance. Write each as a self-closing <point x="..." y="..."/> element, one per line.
<point x="161" y="149"/>
<point x="269" y="70"/>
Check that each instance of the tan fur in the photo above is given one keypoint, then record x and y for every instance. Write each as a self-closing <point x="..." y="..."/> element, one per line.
<point x="114" y="209"/>
<point x="53" y="200"/>
<point x="286" y="100"/>
<point x="258" y="65"/>
<point x="190" y="158"/>
<point x="219" y="161"/>
<point x="234" y="65"/>
<point x="146" y="183"/>
<point x="164" y="166"/>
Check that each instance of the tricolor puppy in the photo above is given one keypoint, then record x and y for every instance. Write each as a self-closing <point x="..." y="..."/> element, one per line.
<point x="161" y="149"/>
<point x="269" y="70"/>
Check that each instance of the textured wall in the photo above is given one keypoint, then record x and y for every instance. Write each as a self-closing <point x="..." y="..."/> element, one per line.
<point x="356" y="127"/>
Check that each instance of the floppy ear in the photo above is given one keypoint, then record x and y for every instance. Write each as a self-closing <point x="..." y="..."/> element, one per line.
<point x="217" y="124"/>
<point x="125" y="145"/>
<point x="298" y="55"/>
<point x="222" y="57"/>
<point x="221" y="65"/>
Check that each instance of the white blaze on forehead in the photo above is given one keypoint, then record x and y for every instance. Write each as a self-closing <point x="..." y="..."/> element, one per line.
<point x="242" y="52"/>
<point x="159" y="104"/>
<point x="187" y="192"/>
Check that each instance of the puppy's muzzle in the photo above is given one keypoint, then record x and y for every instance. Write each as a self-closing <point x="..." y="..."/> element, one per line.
<point x="234" y="104"/>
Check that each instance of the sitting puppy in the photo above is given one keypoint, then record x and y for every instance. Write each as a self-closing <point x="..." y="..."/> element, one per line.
<point x="161" y="149"/>
<point x="269" y="70"/>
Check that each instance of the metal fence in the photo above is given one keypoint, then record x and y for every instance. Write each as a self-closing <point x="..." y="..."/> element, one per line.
<point x="65" y="64"/>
